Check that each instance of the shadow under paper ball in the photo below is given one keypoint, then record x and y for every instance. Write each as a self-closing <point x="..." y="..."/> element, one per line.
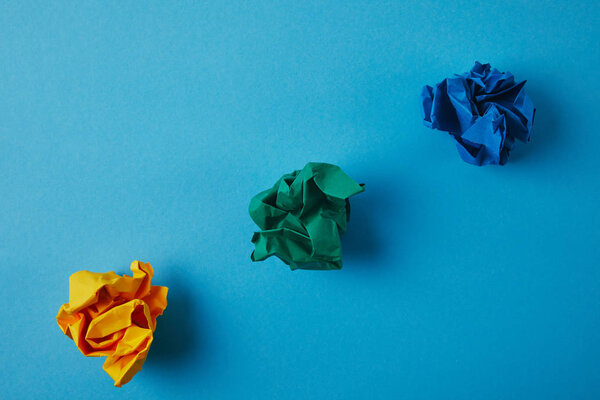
<point x="176" y="336"/>
<point x="546" y="126"/>
<point x="361" y="239"/>
<point x="370" y="211"/>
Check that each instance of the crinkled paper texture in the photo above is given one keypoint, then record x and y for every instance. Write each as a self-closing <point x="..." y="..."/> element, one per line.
<point x="114" y="316"/>
<point x="302" y="216"/>
<point x="484" y="109"/>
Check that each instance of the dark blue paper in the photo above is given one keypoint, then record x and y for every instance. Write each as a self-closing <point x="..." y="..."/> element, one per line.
<point x="484" y="109"/>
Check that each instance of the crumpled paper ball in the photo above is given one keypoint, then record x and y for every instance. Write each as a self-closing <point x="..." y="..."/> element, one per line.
<point x="302" y="216"/>
<point x="114" y="316"/>
<point x="484" y="109"/>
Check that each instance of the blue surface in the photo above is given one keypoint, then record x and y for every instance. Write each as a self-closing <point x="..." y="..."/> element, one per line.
<point x="142" y="131"/>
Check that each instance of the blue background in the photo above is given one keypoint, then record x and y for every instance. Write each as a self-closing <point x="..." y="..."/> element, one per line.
<point x="141" y="131"/>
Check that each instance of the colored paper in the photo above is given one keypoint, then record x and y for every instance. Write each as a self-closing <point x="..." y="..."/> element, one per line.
<point x="484" y="109"/>
<point x="302" y="216"/>
<point x="114" y="316"/>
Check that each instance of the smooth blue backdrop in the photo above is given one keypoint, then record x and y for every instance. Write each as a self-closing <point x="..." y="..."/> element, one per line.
<point x="140" y="130"/>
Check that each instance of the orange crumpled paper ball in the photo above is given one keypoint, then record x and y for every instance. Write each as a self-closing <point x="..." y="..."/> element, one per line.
<point x="114" y="316"/>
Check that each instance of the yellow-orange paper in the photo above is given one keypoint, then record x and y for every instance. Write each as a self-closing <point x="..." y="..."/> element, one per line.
<point x="114" y="316"/>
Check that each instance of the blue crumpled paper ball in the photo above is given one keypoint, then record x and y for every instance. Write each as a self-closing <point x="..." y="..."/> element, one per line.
<point x="484" y="109"/>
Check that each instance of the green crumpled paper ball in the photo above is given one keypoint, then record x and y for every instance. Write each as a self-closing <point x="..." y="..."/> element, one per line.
<point x="302" y="216"/>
